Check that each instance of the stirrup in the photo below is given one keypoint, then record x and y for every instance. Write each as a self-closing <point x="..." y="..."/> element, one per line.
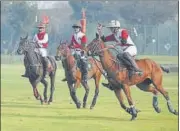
<point x="25" y="75"/>
<point x="105" y="85"/>
<point x="64" y="79"/>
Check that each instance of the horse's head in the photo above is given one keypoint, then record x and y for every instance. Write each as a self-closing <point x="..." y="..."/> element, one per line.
<point x="95" y="47"/>
<point x="62" y="50"/>
<point x="22" y="45"/>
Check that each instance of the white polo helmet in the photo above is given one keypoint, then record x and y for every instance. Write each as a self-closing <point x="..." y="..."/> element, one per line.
<point x="114" y="23"/>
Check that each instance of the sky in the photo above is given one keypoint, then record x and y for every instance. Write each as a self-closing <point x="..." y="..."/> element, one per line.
<point x="50" y="4"/>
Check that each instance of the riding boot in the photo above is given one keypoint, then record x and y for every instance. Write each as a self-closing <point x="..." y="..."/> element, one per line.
<point x="132" y="62"/>
<point x="84" y="69"/>
<point x="45" y="63"/>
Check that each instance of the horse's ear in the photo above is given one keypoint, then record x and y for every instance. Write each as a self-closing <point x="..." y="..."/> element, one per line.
<point x="26" y="36"/>
<point x="97" y="36"/>
<point x="60" y="41"/>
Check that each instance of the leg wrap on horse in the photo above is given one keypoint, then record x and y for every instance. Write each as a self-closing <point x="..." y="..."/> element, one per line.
<point x="155" y="104"/>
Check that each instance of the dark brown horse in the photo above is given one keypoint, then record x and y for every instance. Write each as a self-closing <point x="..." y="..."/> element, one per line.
<point x="35" y="68"/>
<point x="119" y="80"/>
<point x="73" y="74"/>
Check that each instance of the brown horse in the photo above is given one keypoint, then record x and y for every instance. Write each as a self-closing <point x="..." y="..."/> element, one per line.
<point x="73" y="74"/>
<point x="119" y="79"/>
<point x="35" y="70"/>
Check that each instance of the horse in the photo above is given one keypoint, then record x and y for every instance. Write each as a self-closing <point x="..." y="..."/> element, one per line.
<point x="119" y="79"/>
<point x="73" y="74"/>
<point x="33" y="62"/>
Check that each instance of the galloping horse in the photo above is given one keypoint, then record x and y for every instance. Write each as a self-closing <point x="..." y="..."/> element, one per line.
<point x="73" y="74"/>
<point x="119" y="80"/>
<point x="35" y="68"/>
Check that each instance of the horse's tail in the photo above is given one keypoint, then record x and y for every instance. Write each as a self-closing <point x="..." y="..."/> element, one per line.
<point x="165" y="69"/>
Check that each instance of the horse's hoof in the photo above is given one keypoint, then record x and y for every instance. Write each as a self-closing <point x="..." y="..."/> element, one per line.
<point x="157" y="109"/>
<point x="78" y="105"/>
<point x="41" y="102"/>
<point x="91" y="107"/>
<point x="175" y="112"/>
<point x="137" y="110"/>
<point x="133" y="118"/>
<point x="84" y="105"/>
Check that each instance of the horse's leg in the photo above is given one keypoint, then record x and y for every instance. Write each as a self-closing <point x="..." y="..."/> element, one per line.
<point x="127" y="92"/>
<point x="36" y="93"/>
<point x="118" y="92"/>
<point x="157" y="82"/>
<point x="52" y="78"/>
<point x="77" y="84"/>
<point x="72" y="91"/>
<point x="45" y="83"/>
<point x="86" y="87"/>
<point x="97" y="79"/>
<point x="148" y="88"/>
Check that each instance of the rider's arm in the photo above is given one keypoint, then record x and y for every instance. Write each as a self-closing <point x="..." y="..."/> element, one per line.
<point x="124" y="36"/>
<point x="109" y="38"/>
<point x="83" y="42"/>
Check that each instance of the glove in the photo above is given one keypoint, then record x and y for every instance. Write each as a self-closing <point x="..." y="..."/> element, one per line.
<point x="123" y="41"/>
<point x="89" y="53"/>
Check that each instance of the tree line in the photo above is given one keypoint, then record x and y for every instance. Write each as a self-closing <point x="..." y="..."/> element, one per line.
<point x="18" y="19"/>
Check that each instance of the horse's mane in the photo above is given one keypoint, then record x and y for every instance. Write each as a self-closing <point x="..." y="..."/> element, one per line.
<point x="100" y="40"/>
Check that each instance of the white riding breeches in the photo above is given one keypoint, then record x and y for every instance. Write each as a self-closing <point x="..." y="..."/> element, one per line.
<point x="132" y="50"/>
<point x="76" y="51"/>
<point x="42" y="51"/>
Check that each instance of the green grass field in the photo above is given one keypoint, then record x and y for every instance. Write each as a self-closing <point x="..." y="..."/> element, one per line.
<point x="21" y="112"/>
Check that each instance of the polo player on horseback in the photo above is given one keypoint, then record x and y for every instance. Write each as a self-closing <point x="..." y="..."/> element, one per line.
<point x="41" y="39"/>
<point x="78" y="44"/>
<point x="122" y="39"/>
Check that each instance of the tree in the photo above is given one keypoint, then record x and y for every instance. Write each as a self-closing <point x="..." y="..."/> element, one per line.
<point x="18" y="19"/>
